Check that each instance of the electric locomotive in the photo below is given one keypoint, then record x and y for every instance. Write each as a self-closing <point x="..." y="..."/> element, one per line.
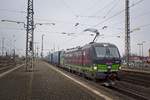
<point x="94" y="60"/>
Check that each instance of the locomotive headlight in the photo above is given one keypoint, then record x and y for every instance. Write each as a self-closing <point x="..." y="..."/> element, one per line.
<point x="95" y="67"/>
<point x="120" y="68"/>
<point x="109" y="67"/>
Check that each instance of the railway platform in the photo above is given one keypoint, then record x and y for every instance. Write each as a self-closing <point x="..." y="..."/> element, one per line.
<point x="43" y="83"/>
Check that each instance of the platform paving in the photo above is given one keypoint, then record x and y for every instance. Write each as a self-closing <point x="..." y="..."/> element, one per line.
<point x="43" y="83"/>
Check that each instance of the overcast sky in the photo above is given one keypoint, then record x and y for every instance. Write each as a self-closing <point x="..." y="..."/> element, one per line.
<point x="66" y="13"/>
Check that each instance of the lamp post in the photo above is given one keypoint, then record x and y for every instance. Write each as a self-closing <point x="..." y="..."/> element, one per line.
<point x="36" y="51"/>
<point x="14" y="51"/>
<point x="142" y="48"/>
<point x="139" y="44"/>
<point x="42" y="46"/>
<point x="141" y="51"/>
<point x="3" y="40"/>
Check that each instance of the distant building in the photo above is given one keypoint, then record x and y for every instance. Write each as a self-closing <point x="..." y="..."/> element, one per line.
<point x="135" y="58"/>
<point x="139" y="59"/>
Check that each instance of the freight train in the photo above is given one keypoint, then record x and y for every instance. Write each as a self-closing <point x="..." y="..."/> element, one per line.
<point x="94" y="60"/>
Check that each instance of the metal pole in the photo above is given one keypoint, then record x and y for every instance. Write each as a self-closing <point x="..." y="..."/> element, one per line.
<point x="37" y="55"/>
<point x="142" y="50"/>
<point x="127" y="32"/>
<point x="42" y="46"/>
<point x="14" y="54"/>
<point x="3" y="40"/>
<point x="30" y="37"/>
<point x="35" y="50"/>
<point x="139" y="49"/>
<point x="139" y="44"/>
<point x="142" y="57"/>
<point x="149" y="52"/>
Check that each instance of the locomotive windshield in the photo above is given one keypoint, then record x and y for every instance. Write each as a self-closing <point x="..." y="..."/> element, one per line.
<point x="107" y="52"/>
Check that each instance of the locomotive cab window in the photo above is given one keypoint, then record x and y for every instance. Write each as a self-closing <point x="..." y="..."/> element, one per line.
<point x="111" y="52"/>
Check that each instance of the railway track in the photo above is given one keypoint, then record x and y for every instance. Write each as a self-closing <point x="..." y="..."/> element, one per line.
<point x="135" y="74"/>
<point x="129" y="93"/>
<point x="136" y="78"/>
<point x="132" y="90"/>
<point x="134" y="84"/>
<point x="3" y="69"/>
<point x="127" y="89"/>
<point x="123" y="89"/>
<point x="140" y="82"/>
<point x="8" y="66"/>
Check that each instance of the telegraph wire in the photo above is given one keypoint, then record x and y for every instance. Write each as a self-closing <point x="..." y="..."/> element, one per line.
<point x="8" y="28"/>
<point x="67" y="6"/>
<point x="56" y="21"/>
<point x="118" y="13"/>
<point x="104" y="7"/>
<point x="146" y="25"/>
<point x="94" y="15"/>
<point x="141" y="15"/>
<point x="12" y="11"/>
<point x="133" y="19"/>
<point x="93" y="6"/>
<point x="138" y="2"/>
<point x="113" y="6"/>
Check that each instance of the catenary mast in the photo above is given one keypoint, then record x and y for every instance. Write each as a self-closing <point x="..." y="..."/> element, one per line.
<point x="127" y="32"/>
<point x="30" y="36"/>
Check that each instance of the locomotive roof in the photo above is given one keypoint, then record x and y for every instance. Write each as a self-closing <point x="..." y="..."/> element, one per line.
<point x="100" y="44"/>
<point x="89" y="45"/>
